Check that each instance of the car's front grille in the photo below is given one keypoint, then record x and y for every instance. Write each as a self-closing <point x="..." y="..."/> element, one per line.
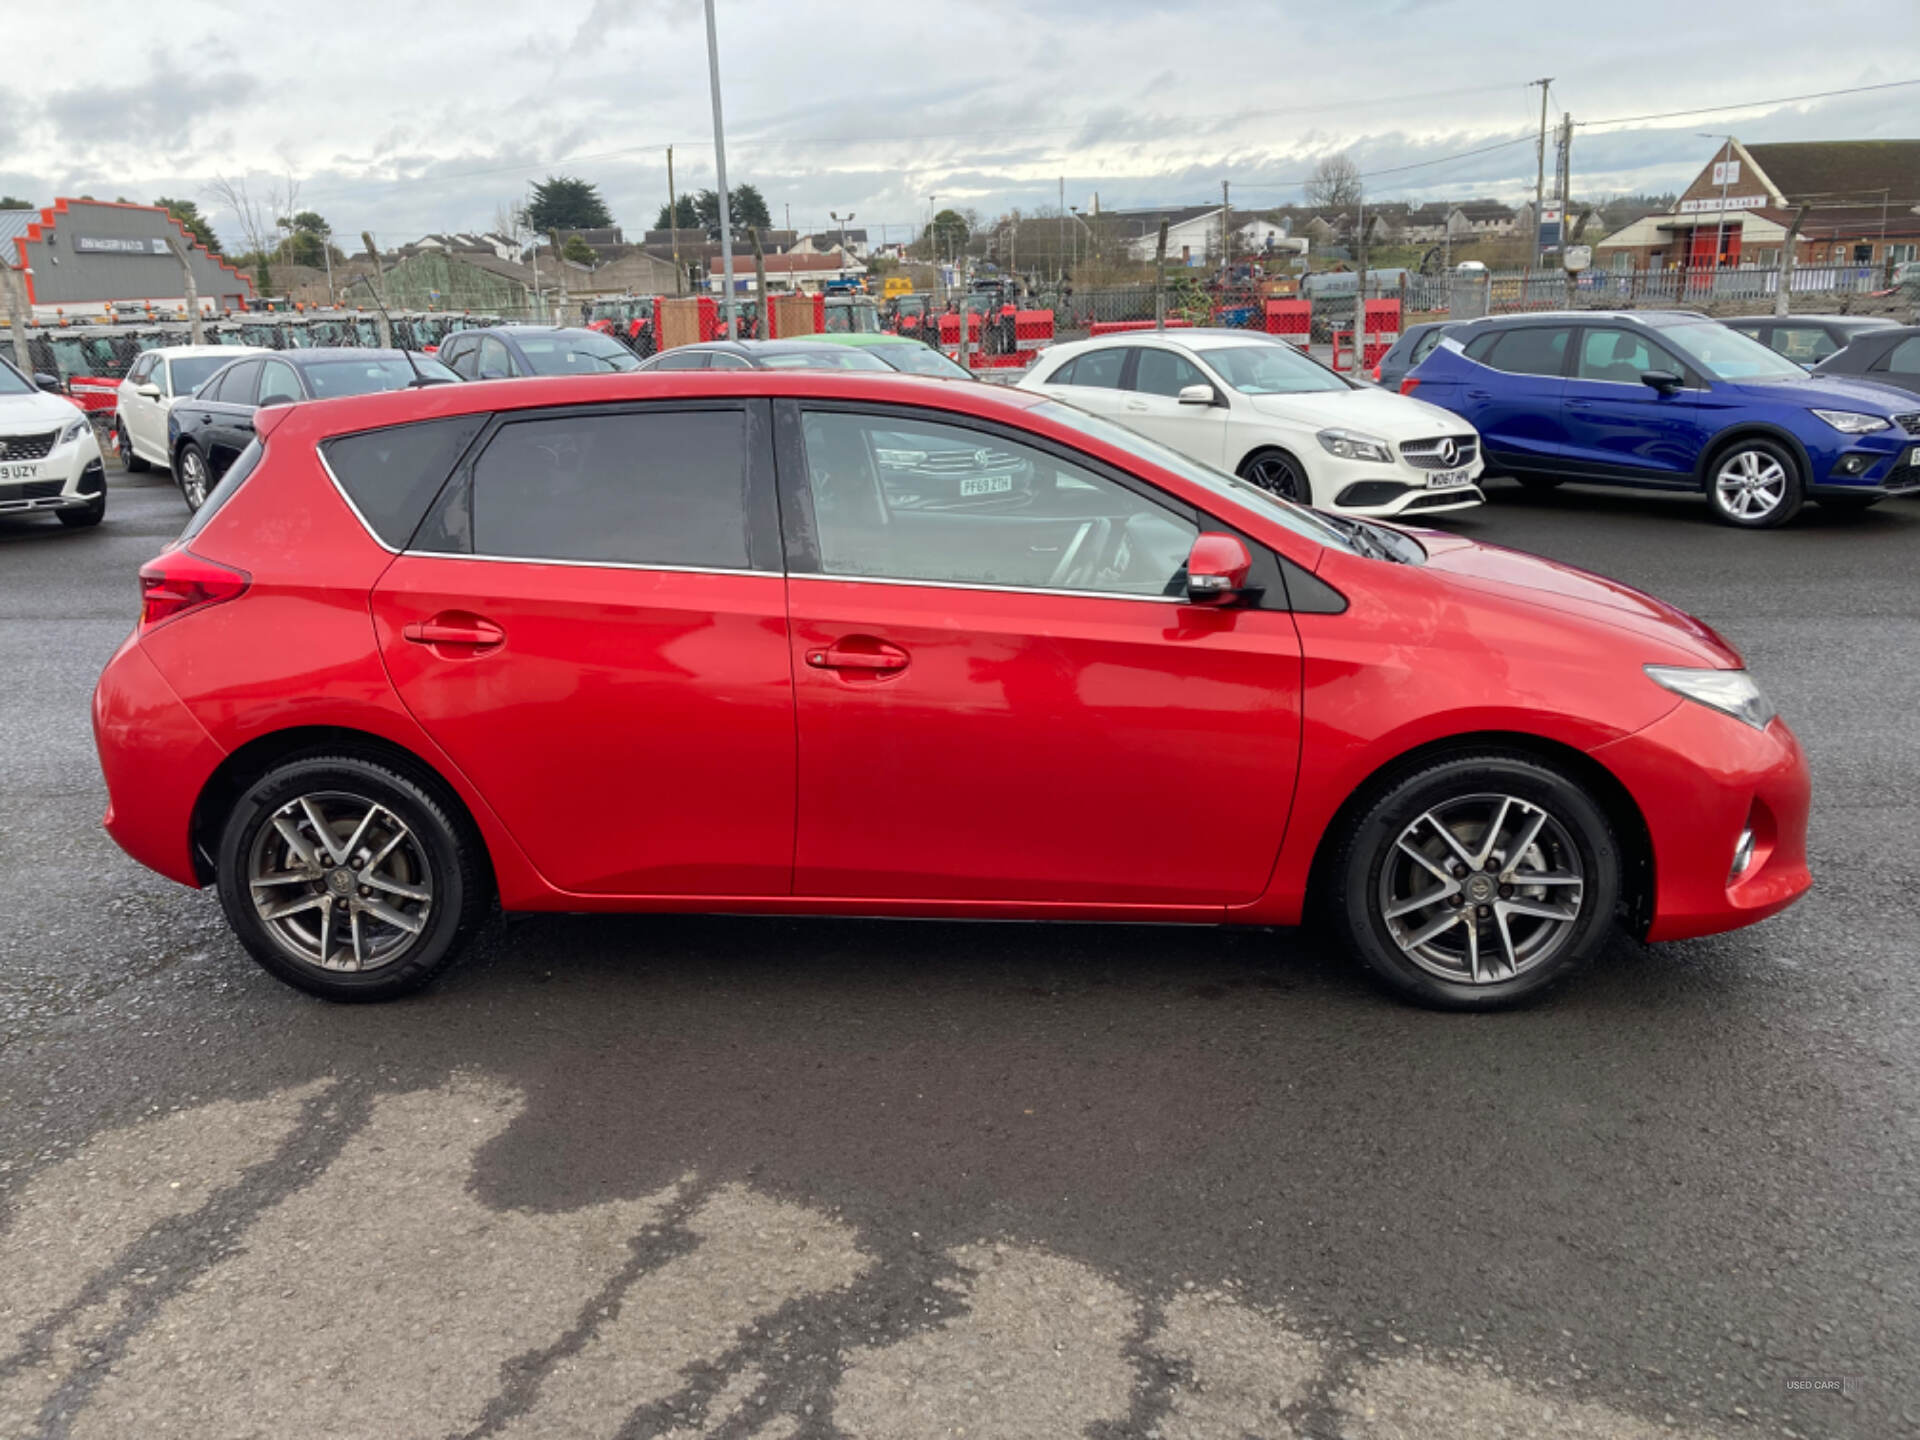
<point x="960" y="462"/>
<point x="1902" y="480"/>
<point x="27" y="447"/>
<point x="32" y="490"/>
<point x="1431" y="454"/>
<point x="1909" y="422"/>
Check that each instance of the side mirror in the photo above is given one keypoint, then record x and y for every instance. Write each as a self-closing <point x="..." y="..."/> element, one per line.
<point x="48" y="383"/>
<point x="1665" y="381"/>
<point x="1217" y="569"/>
<point x="1200" y="395"/>
<point x="148" y="391"/>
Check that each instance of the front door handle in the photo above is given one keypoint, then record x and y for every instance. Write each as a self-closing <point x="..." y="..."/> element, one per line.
<point x="1139" y="405"/>
<point x="474" y="632"/>
<point x="859" y="652"/>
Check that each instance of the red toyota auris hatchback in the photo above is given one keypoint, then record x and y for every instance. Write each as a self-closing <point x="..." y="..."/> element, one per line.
<point x="871" y="645"/>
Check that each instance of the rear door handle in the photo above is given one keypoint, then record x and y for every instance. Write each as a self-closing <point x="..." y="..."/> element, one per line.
<point x="853" y="654"/>
<point x="480" y="634"/>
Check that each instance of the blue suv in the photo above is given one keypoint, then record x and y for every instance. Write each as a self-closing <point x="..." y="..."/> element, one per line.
<point x="1672" y="401"/>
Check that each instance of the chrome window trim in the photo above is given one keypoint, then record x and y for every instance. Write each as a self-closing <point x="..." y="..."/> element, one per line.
<point x="601" y="564"/>
<point x="992" y="589"/>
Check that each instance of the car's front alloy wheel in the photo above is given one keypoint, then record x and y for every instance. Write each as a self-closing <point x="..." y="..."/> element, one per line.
<point x="1478" y="881"/>
<point x="1281" y="474"/>
<point x="347" y="878"/>
<point x="1756" y="484"/>
<point x="196" y="481"/>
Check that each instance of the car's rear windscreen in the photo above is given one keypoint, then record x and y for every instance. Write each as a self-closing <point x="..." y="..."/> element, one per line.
<point x="391" y="475"/>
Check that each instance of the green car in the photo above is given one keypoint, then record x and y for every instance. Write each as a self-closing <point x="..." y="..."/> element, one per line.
<point x="902" y="353"/>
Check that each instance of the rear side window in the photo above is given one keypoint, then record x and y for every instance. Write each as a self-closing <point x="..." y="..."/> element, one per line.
<point x="667" y="487"/>
<point x="1528" y="352"/>
<point x="392" y="475"/>
<point x="1099" y="368"/>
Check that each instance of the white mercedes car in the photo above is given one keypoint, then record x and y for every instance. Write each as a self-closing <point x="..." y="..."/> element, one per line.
<point x="49" y="459"/>
<point x="157" y="379"/>
<point x="1271" y="415"/>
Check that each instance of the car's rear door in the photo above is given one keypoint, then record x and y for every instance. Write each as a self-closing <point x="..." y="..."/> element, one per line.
<point x="1092" y="380"/>
<point x="1618" y="426"/>
<point x="1014" y="703"/>
<point x="592" y="624"/>
<point x="1516" y="396"/>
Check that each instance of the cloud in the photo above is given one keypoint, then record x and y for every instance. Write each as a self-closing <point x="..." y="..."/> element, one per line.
<point x="162" y="112"/>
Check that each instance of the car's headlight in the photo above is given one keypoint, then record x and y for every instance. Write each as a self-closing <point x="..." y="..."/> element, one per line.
<point x="74" y="431"/>
<point x="1349" y="446"/>
<point x="1730" y="691"/>
<point x="1851" y="422"/>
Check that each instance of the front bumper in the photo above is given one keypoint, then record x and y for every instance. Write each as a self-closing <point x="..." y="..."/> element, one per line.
<point x="1882" y="464"/>
<point x="1381" y="490"/>
<point x="1701" y="779"/>
<point x="69" y="477"/>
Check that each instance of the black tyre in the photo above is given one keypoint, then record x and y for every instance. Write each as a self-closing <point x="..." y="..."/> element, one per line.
<point x="348" y="879"/>
<point x="1476" y="882"/>
<point x="193" y="474"/>
<point x="85" y="519"/>
<point x="1279" y="472"/>
<point x="1755" y="484"/>
<point x="135" y="465"/>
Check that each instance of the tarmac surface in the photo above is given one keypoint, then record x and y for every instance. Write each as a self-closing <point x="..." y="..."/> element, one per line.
<point x="639" y="1176"/>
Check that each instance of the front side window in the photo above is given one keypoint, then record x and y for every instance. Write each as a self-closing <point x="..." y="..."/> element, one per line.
<point x="1621" y="357"/>
<point x="237" y="385"/>
<point x="1528" y="351"/>
<point x="1727" y="354"/>
<point x="143" y="369"/>
<point x="1098" y="368"/>
<point x="665" y="488"/>
<point x="917" y="500"/>
<point x="493" y="363"/>
<point x="1161" y="372"/>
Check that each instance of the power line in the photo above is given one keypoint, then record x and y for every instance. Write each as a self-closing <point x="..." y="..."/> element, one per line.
<point x="1750" y="104"/>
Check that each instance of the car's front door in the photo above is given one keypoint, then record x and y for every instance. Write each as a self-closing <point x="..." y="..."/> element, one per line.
<point x="1619" y="426"/>
<point x="1151" y="405"/>
<point x="143" y="417"/>
<point x="1014" y="702"/>
<point x="592" y="625"/>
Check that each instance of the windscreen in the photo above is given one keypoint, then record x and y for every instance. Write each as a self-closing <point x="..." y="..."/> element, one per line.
<point x="1262" y="369"/>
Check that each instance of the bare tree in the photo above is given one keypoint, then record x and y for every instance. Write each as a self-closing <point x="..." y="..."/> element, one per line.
<point x="259" y="214"/>
<point x="1334" y="183"/>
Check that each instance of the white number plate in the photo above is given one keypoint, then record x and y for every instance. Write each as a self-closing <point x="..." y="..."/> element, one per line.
<point x="19" y="472"/>
<point x="987" y="485"/>
<point x="1441" y="479"/>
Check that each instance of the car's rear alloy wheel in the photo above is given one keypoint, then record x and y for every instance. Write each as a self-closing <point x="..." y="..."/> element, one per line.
<point x="1280" y="473"/>
<point x="347" y="879"/>
<point x="1756" y="484"/>
<point x="196" y="481"/>
<point x="1478" y="881"/>
<point x="124" y="444"/>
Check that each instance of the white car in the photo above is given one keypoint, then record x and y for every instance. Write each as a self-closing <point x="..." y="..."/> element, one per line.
<point x="49" y="459"/>
<point x="157" y="379"/>
<point x="1268" y="413"/>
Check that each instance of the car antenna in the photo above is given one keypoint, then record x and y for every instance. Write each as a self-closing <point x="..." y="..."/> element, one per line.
<point x="420" y="377"/>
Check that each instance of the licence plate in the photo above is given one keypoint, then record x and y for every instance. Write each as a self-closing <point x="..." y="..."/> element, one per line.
<point x="1441" y="479"/>
<point x="19" y="472"/>
<point x="987" y="485"/>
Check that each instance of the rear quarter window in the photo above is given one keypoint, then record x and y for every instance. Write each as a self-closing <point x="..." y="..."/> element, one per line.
<point x="391" y="475"/>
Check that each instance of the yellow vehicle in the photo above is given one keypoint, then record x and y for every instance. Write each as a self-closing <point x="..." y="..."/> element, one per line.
<point x="896" y="286"/>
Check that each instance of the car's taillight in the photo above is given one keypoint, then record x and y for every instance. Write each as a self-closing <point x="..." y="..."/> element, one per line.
<point x="179" y="582"/>
<point x="1409" y="385"/>
<point x="1376" y="374"/>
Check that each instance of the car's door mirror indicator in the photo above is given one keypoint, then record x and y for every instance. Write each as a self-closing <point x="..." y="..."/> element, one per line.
<point x="1217" y="569"/>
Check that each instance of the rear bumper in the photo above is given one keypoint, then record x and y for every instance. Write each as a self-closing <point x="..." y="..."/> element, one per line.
<point x="156" y="758"/>
<point x="1701" y="779"/>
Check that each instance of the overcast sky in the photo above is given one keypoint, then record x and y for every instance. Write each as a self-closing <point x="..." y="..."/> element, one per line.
<point x="429" y="115"/>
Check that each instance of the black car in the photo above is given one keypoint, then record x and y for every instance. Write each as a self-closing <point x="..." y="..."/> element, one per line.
<point x="1887" y="356"/>
<point x="507" y="352"/>
<point x="1808" y="339"/>
<point x="797" y="354"/>
<point x="207" y="431"/>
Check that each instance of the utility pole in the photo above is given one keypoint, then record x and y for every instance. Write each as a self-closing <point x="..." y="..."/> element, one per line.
<point x="1540" y="169"/>
<point x="17" y="320"/>
<point x="1160" y="278"/>
<point x="720" y="165"/>
<point x="1565" y="177"/>
<point x="1060" y="253"/>
<point x="196" y="334"/>
<point x="673" y="222"/>
<point x="1226" y="237"/>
